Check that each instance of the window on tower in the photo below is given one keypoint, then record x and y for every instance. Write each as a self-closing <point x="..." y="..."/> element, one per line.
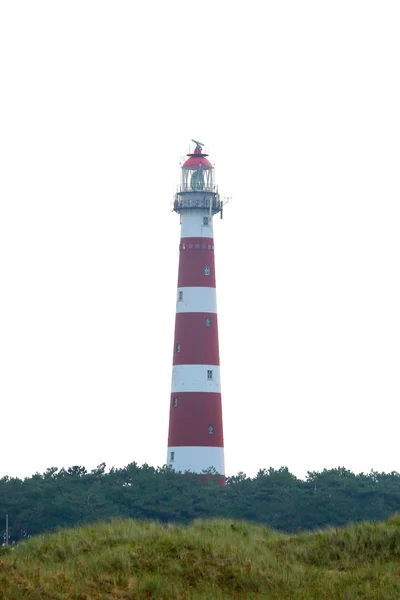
<point x="208" y="321"/>
<point x="175" y="401"/>
<point x="180" y="296"/>
<point x="178" y="348"/>
<point x="172" y="456"/>
<point x="211" y="429"/>
<point x="209" y="374"/>
<point x="205" y="221"/>
<point x="207" y="270"/>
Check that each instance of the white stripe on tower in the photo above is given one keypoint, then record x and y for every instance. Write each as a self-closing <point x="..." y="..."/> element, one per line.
<point x="193" y="226"/>
<point x="197" y="458"/>
<point x="196" y="299"/>
<point x="196" y="378"/>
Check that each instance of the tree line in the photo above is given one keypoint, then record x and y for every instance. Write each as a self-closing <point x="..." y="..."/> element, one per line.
<point x="275" y="497"/>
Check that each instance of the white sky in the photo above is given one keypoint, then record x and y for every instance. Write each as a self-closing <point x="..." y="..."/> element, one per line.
<point x="298" y="105"/>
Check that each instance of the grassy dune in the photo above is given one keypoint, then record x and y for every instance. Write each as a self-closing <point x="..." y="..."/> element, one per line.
<point x="217" y="559"/>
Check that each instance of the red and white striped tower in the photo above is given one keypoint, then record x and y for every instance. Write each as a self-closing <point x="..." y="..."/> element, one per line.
<point x="195" y="440"/>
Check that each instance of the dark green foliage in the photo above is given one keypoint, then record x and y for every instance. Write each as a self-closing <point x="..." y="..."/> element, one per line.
<point x="68" y="497"/>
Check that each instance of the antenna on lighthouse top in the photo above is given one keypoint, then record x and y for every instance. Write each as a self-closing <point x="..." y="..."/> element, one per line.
<point x="199" y="145"/>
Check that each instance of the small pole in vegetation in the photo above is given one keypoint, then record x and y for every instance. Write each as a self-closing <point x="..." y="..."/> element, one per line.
<point x="6" y="530"/>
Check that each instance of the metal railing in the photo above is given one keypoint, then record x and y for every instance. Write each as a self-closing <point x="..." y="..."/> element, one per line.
<point x="188" y="188"/>
<point x="202" y="202"/>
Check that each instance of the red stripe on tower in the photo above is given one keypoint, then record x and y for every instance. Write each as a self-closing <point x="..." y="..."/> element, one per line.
<point x="196" y="339"/>
<point x="195" y="440"/>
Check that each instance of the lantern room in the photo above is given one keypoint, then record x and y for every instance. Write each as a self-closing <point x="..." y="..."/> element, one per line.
<point x="197" y="172"/>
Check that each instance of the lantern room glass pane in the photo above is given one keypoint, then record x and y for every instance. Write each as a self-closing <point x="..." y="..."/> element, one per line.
<point x="197" y="180"/>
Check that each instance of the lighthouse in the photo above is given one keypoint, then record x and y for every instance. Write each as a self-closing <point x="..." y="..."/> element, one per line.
<point x="195" y="439"/>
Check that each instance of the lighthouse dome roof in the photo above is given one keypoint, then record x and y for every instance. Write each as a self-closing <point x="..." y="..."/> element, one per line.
<point x="197" y="159"/>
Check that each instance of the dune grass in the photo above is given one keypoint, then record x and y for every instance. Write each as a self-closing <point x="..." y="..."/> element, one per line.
<point x="217" y="559"/>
